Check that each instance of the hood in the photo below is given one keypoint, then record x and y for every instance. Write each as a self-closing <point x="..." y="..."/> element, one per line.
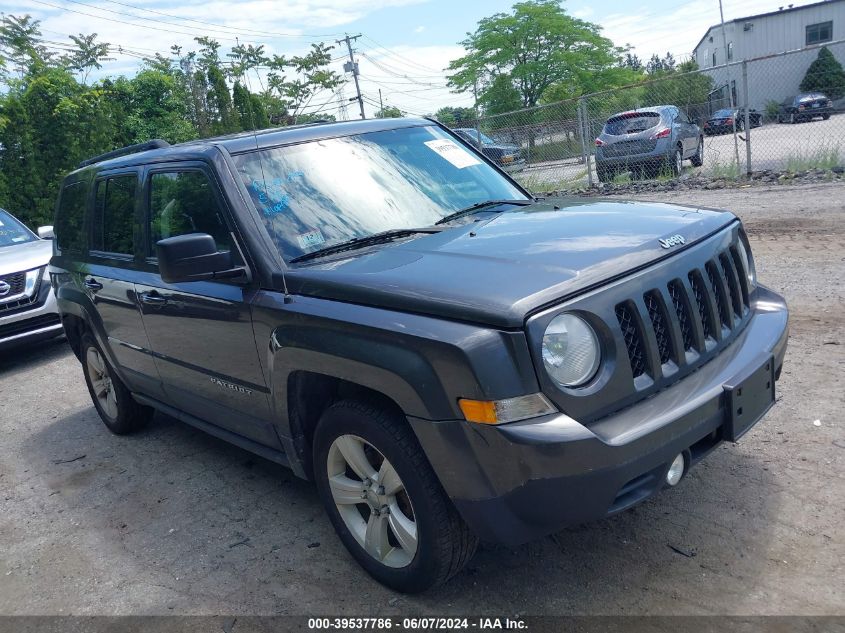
<point x="500" y="270"/>
<point x="25" y="256"/>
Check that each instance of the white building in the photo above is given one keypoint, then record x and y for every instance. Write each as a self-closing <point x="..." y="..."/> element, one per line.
<point x="789" y="28"/>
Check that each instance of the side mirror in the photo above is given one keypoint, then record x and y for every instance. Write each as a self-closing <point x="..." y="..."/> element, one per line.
<point x="194" y="257"/>
<point x="46" y="232"/>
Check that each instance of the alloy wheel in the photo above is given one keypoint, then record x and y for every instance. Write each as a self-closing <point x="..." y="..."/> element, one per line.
<point x="679" y="161"/>
<point x="372" y="501"/>
<point x="101" y="382"/>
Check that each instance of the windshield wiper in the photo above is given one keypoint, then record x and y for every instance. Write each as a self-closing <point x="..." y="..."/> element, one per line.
<point x="478" y="206"/>
<point x="361" y="242"/>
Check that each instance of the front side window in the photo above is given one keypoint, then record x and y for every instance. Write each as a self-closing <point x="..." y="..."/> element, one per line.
<point x="183" y="202"/>
<point x="70" y="218"/>
<point x="818" y="33"/>
<point x="13" y="231"/>
<point x="314" y="195"/>
<point x="113" y="221"/>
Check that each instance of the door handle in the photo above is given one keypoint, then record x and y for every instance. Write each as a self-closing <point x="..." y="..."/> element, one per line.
<point x="92" y="284"/>
<point x="153" y="298"/>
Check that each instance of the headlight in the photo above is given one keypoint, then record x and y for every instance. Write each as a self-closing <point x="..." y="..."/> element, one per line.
<point x="747" y="264"/>
<point x="571" y="352"/>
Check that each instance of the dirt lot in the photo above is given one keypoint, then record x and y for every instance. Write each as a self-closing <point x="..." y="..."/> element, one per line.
<point x="172" y="521"/>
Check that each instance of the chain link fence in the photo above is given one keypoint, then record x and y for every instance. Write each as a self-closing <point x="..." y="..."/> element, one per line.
<point x="782" y="112"/>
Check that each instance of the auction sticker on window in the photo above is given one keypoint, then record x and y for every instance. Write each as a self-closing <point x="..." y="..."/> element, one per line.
<point x="310" y="239"/>
<point x="454" y="153"/>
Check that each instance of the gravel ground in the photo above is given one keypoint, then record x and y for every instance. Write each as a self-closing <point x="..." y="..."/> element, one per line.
<point x="172" y="521"/>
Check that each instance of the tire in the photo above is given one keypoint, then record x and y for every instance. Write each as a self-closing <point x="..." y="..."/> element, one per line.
<point x="825" y="117"/>
<point x="792" y="118"/>
<point x="676" y="162"/>
<point x="698" y="159"/>
<point x="112" y="400"/>
<point x="351" y="431"/>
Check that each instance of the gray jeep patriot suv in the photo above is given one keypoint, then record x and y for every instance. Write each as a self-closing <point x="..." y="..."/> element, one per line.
<point x="377" y="306"/>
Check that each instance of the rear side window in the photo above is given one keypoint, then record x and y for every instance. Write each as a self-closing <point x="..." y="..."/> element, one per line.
<point x="631" y="122"/>
<point x="70" y="218"/>
<point x="114" y="215"/>
<point x="184" y="202"/>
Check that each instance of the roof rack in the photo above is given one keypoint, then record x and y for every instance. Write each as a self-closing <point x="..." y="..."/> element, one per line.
<point x="124" y="151"/>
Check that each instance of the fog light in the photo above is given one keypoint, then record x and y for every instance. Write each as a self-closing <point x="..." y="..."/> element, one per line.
<point x="676" y="470"/>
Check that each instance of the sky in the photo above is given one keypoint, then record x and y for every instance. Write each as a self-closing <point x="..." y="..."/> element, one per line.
<point x="404" y="47"/>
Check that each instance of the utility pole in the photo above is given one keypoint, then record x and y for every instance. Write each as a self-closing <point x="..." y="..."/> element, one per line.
<point x="380" y="102"/>
<point x="730" y="88"/>
<point x="352" y="66"/>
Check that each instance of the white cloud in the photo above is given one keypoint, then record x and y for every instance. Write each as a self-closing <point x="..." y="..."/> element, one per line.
<point x="419" y="29"/>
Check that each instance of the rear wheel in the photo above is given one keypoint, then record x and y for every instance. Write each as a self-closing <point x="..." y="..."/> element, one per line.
<point x="825" y="117"/>
<point x="698" y="159"/>
<point x="115" y="405"/>
<point x="676" y="162"/>
<point x="385" y="501"/>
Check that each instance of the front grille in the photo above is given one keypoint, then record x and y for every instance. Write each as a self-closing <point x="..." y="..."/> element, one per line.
<point x="16" y="281"/>
<point x="680" y="303"/>
<point x="660" y="323"/>
<point x="633" y="338"/>
<point x="28" y="325"/>
<point x="719" y="293"/>
<point x="693" y="317"/>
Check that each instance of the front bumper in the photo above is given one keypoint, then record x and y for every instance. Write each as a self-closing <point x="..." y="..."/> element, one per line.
<point x="39" y="322"/>
<point x="520" y="481"/>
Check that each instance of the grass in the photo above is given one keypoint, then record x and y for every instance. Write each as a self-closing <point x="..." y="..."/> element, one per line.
<point x="556" y="150"/>
<point x="622" y="179"/>
<point x="535" y="185"/>
<point x="726" y="171"/>
<point x="823" y="158"/>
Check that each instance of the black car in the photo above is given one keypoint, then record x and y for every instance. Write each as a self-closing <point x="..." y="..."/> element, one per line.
<point x="723" y="121"/>
<point x="382" y="309"/>
<point x="805" y="107"/>
<point x="506" y="155"/>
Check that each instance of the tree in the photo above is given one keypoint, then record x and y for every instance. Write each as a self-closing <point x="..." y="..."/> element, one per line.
<point x="682" y="87"/>
<point x="88" y="54"/>
<point x="19" y="43"/>
<point x="537" y="45"/>
<point x="633" y="62"/>
<point x="501" y="96"/>
<point x="825" y="75"/>
<point x="453" y="117"/>
<point x="389" y="112"/>
<point x="311" y="76"/>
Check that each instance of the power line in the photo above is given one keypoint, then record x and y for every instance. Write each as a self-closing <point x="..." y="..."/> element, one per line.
<point x="230" y="29"/>
<point x="402" y="57"/>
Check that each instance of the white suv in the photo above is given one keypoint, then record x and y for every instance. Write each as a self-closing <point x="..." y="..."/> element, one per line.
<point x="27" y="306"/>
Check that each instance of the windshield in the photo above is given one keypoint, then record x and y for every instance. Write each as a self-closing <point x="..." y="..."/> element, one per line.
<point x="12" y="231"/>
<point x="721" y="114"/>
<point x="631" y="122"/>
<point x="314" y="195"/>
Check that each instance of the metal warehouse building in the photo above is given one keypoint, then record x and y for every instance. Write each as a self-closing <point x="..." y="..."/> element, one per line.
<point x="801" y="29"/>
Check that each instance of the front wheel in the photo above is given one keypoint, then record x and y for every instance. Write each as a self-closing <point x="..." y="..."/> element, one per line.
<point x="112" y="400"/>
<point x="698" y="159"/>
<point x="385" y="501"/>
<point x="825" y="117"/>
